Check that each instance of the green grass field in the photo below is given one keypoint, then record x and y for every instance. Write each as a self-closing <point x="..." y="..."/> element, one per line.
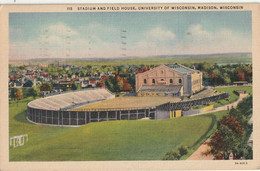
<point x="233" y="97"/>
<point x="112" y="140"/>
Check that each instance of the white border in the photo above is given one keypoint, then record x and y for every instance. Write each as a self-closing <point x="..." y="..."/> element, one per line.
<point x="120" y="1"/>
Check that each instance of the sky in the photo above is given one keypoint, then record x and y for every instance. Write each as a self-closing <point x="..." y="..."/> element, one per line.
<point x="127" y="34"/>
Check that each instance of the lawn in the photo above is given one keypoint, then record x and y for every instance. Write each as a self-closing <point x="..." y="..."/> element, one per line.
<point x="112" y="140"/>
<point x="233" y="97"/>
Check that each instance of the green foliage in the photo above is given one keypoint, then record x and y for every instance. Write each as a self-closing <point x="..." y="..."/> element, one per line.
<point x="245" y="106"/>
<point x="112" y="85"/>
<point x="13" y="93"/>
<point x="183" y="150"/>
<point x="233" y="97"/>
<point x="73" y="86"/>
<point x="172" y="155"/>
<point x="214" y="74"/>
<point x="248" y="152"/>
<point x="29" y="92"/>
<point x="131" y="80"/>
<point x="233" y="133"/>
<point x="176" y="154"/>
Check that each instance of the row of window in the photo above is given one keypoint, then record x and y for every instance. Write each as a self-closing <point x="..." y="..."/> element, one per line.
<point x="171" y="81"/>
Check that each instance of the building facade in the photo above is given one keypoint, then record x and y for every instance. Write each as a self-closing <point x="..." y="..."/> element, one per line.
<point x="169" y="80"/>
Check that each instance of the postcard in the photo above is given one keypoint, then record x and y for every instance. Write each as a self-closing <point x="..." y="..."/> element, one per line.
<point x="129" y="86"/>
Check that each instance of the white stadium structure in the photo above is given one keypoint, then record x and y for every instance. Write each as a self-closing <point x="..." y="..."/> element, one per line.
<point x="71" y="108"/>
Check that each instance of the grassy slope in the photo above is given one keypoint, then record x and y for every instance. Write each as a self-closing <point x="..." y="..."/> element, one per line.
<point x="233" y="97"/>
<point x="113" y="140"/>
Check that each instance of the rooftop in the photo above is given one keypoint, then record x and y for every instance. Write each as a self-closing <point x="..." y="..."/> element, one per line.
<point x="161" y="88"/>
<point x="180" y="68"/>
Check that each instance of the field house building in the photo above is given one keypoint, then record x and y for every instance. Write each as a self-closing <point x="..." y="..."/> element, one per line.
<point x="169" y="80"/>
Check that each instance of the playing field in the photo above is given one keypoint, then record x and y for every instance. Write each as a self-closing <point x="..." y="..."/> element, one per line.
<point x="134" y="102"/>
<point x="111" y="140"/>
<point x="128" y="102"/>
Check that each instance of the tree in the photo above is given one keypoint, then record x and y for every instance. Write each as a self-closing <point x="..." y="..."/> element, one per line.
<point x="19" y="94"/>
<point x="37" y="88"/>
<point x="233" y="124"/>
<point x="227" y="139"/>
<point x="29" y="92"/>
<point x="100" y="84"/>
<point x="109" y="85"/>
<point x="32" y="92"/>
<point x="73" y="86"/>
<point x="13" y="93"/>
<point x="176" y="154"/>
<point x="183" y="150"/>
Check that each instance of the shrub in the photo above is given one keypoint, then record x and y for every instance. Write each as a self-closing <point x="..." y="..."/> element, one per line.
<point x="176" y="155"/>
<point x="183" y="150"/>
<point x="219" y="156"/>
<point x="172" y="155"/>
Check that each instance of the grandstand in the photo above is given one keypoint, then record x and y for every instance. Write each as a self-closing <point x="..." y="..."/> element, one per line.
<point x="69" y="100"/>
<point x="96" y="105"/>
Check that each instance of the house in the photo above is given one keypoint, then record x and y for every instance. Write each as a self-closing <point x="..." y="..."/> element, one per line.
<point x="62" y="85"/>
<point x="28" y="83"/>
<point x="240" y="83"/>
<point x="169" y="80"/>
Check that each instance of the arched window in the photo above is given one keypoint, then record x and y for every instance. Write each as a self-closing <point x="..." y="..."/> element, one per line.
<point x="180" y="81"/>
<point x="153" y="81"/>
<point x="162" y="79"/>
<point x="171" y="81"/>
<point x="145" y="81"/>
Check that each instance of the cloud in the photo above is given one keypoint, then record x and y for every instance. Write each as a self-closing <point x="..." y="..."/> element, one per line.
<point x="198" y="40"/>
<point x="160" y="34"/>
<point x="60" y="29"/>
<point x="97" y="40"/>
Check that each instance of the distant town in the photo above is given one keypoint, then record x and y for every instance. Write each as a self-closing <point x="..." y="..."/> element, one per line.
<point x="46" y="79"/>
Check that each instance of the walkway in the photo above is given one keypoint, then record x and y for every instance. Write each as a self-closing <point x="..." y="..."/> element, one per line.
<point x="197" y="155"/>
<point x="225" y="107"/>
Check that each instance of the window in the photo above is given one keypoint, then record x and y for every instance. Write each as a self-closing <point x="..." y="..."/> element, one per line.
<point x="161" y="71"/>
<point x="153" y="81"/>
<point x="145" y="81"/>
<point x="180" y="81"/>
<point x="162" y="79"/>
<point x="171" y="81"/>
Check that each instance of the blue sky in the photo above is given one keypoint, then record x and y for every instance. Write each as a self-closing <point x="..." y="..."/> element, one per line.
<point x="88" y="35"/>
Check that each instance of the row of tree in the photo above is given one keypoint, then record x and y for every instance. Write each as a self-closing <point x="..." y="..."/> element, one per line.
<point x="214" y="74"/>
<point x="19" y="94"/>
<point x="232" y="134"/>
<point x="118" y="84"/>
<point x="123" y="78"/>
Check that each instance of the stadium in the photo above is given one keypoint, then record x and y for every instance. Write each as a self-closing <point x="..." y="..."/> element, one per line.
<point x="80" y="107"/>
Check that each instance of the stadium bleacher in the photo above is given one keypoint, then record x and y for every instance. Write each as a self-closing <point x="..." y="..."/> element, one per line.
<point x="67" y="99"/>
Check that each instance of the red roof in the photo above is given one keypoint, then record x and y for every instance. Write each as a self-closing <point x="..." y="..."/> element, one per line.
<point x="45" y="74"/>
<point x="15" y="77"/>
<point x="29" y="73"/>
<point x="104" y="77"/>
<point x="92" y="81"/>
